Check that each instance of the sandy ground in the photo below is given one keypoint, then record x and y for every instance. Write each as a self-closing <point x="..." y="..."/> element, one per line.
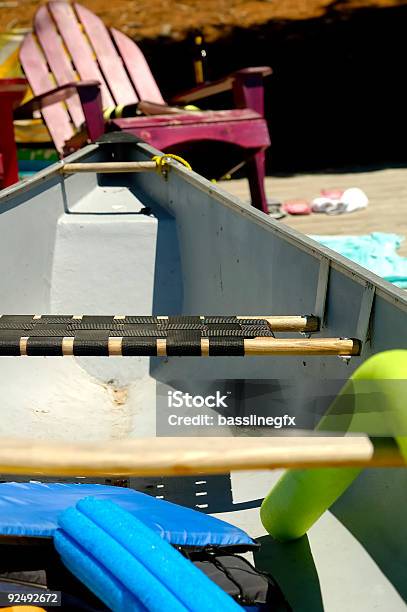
<point x="386" y="212"/>
<point x="144" y="19"/>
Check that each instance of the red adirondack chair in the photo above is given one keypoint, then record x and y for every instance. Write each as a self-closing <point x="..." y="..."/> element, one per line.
<point x="11" y="93"/>
<point x="93" y="68"/>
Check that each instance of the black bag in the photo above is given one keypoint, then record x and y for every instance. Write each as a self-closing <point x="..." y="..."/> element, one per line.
<point x="241" y="580"/>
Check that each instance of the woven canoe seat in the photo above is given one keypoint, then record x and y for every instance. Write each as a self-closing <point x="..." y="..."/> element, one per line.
<point x="91" y="334"/>
<point x="84" y="335"/>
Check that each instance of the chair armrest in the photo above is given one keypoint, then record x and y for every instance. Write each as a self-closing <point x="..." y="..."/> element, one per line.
<point x="13" y="89"/>
<point x="58" y="94"/>
<point x="248" y="88"/>
<point x="225" y="84"/>
<point x="89" y="95"/>
<point x="203" y="91"/>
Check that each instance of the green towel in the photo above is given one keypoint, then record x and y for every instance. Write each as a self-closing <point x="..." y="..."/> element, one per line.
<point x="376" y="252"/>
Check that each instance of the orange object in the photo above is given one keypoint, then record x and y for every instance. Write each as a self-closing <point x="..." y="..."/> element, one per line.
<point x="297" y="207"/>
<point x="25" y="609"/>
<point x="332" y="194"/>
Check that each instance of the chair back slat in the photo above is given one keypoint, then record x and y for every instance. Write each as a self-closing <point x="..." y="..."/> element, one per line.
<point x="71" y="43"/>
<point x="78" y="47"/>
<point x="137" y="67"/>
<point x="36" y="70"/>
<point x="58" y="60"/>
<point x="109" y="60"/>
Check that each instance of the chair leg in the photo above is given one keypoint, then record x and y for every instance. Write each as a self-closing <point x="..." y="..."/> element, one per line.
<point x="7" y="144"/>
<point x="256" y="172"/>
<point x="1" y="170"/>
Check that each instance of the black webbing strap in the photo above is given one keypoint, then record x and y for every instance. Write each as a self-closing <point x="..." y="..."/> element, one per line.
<point x="186" y="343"/>
<point x="44" y="346"/>
<point x="127" y="335"/>
<point x="226" y="346"/>
<point x="94" y="342"/>
<point x="132" y="347"/>
<point x="10" y="343"/>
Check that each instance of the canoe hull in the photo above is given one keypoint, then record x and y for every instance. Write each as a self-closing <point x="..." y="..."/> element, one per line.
<point x="79" y="245"/>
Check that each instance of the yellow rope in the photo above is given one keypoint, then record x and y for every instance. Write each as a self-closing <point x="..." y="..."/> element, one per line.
<point x="108" y="112"/>
<point x="119" y="111"/>
<point x="113" y="112"/>
<point x="161" y="161"/>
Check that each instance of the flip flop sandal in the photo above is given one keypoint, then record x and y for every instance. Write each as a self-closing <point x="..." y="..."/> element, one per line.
<point x="297" y="207"/>
<point x="275" y="210"/>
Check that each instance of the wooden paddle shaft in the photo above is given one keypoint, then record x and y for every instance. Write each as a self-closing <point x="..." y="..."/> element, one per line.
<point x="109" y="167"/>
<point x="187" y="456"/>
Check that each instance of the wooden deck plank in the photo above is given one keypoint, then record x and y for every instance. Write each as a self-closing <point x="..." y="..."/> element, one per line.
<point x="386" y="190"/>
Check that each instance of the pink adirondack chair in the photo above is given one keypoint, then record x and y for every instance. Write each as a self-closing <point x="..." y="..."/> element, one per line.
<point x="73" y="57"/>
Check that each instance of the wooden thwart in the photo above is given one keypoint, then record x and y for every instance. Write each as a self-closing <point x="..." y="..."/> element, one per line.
<point x="109" y="167"/>
<point x="252" y="347"/>
<point x="301" y="346"/>
<point x="277" y="323"/>
<point x="188" y="456"/>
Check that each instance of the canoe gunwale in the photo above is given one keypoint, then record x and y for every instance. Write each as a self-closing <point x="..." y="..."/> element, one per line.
<point x="336" y="262"/>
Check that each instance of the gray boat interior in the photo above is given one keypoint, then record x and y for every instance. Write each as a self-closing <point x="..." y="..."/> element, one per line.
<point x="145" y="244"/>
